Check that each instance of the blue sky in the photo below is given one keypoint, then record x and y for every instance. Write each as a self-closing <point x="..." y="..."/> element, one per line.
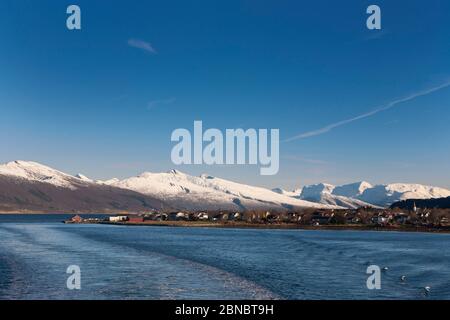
<point x="104" y="100"/>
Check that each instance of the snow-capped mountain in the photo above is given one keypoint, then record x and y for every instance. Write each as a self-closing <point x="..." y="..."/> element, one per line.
<point x="352" y="190"/>
<point x="35" y="187"/>
<point x="325" y="193"/>
<point x="110" y="181"/>
<point x="30" y="186"/>
<point x="83" y="177"/>
<point x="315" y="191"/>
<point x="294" y="193"/>
<point x="210" y="193"/>
<point x="359" y="194"/>
<point x="33" y="171"/>
<point x="385" y="195"/>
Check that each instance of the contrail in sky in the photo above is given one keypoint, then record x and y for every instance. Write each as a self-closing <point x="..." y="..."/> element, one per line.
<point x="368" y="114"/>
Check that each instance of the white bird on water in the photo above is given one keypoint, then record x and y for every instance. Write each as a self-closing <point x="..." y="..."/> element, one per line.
<point x="427" y="290"/>
<point x="403" y="278"/>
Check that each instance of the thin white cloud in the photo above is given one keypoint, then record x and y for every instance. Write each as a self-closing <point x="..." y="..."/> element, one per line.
<point x="367" y="114"/>
<point x="143" y="45"/>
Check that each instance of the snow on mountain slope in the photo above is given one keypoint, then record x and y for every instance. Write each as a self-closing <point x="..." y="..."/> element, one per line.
<point x="315" y="191"/>
<point x="34" y="171"/>
<point x="294" y="193"/>
<point x="251" y="192"/>
<point x="181" y="190"/>
<point x="32" y="187"/>
<point x="83" y="177"/>
<point x="385" y="195"/>
<point x="108" y="182"/>
<point x="359" y="194"/>
<point x="324" y="193"/>
<point x="352" y="190"/>
<point x="342" y="201"/>
<point x="206" y="192"/>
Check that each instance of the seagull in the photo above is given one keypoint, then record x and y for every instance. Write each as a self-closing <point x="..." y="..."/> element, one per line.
<point x="385" y="269"/>
<point x="427" y="290"/>
<point x="403" y="278"/>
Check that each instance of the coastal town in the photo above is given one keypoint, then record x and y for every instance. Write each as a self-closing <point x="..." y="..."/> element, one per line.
<point x="362" y="218"/>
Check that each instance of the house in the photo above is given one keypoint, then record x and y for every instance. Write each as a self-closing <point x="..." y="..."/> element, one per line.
<point x="380" y="219"/>
<point x="271" y="217"/>
<point x="203" y="216"/>
<point x="221" y="216"/>
<point x="135" y="219"/>
<point x="160" y="217"/>
<point x="172" y="216"/>
<point x="149" y="216"/>
<point x="291" y="216"/>
<point x="76" y="219"/>
<point x="445" y="221"/>
<point x="353" y="219"/>
<point x="401" y="218"/>
<point x="234" y="216"/>
<point x="118" y="219"/>
<point x="181" y="216"/>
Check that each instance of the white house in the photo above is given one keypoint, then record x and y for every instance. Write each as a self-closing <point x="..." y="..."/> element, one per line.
<point x="203" y="216"/>
<point x="118" y="218"/>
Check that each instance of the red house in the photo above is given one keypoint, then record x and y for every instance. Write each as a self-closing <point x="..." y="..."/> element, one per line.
<point x="76" y="219"/>
<point x="135" y="219"/>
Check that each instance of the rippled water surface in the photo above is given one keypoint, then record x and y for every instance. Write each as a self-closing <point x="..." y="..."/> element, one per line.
<point x="207" y="263"/>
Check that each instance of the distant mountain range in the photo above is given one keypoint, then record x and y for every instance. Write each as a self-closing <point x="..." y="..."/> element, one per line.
<point x="364" y="194"/>
<point x="33" y="187"/>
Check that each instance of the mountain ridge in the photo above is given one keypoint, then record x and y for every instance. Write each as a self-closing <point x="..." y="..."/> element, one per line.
<point x="26" y="185"/>
<point x="365" y="194"/>
<point x="180" y="191"/>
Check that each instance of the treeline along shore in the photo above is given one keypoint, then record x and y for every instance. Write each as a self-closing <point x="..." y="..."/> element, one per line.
<point x="392" y="219"/>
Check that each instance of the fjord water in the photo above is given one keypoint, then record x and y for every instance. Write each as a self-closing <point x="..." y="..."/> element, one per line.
<point x="210" y="263"/>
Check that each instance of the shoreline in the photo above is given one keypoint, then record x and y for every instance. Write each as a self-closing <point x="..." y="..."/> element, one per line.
<point x="33" y="213"/>
<point x="286" y="226"/>
<point x="247" y="225"/>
